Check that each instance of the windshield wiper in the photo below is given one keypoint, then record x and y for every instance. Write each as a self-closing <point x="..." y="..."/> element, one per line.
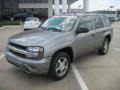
<point x="53" y="29"/>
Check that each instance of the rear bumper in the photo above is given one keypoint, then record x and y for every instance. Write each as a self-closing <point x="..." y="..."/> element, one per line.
<point x="30" y="27"/>
<point x="29" y="66"/>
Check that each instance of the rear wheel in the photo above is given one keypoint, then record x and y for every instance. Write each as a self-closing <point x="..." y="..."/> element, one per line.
<point x="59" y="66"/>
<point x="105" y="47"/>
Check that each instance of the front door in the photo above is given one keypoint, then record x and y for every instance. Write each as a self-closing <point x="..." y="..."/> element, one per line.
<point x="84" y="42"/>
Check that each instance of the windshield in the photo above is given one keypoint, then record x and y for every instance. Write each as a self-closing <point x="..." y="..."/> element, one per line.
<point x="59" y="23"/>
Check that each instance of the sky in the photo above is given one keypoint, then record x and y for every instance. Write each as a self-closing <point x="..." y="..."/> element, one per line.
<point x="98" y="4"/>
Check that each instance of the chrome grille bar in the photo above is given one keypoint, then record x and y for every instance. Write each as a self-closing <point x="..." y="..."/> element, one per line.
<point x="17" y="50"/>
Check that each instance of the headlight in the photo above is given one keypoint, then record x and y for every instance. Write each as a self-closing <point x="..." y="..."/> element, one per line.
<point x="35" y="52"/>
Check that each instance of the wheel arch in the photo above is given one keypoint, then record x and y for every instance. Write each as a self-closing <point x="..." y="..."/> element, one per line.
<point x="108" y="37"/>
<point x="68" y="50"/>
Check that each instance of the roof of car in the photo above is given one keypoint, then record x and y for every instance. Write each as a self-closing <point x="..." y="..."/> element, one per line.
<point x="76" y="14"/>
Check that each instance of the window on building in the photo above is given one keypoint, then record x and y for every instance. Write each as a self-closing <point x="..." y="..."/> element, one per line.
<point x="9" y="7"/>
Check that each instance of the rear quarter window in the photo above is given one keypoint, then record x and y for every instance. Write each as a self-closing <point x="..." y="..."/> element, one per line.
<point x="86" y="22"/>
<point x="105" y="20"/>
<point x="98" y="23"/>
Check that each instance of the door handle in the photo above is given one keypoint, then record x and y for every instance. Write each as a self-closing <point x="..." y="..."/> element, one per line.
<point x="93" y="35"/>
<point x="104" y="31"/>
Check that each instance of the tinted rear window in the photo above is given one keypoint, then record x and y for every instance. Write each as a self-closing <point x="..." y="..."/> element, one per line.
<point x="86" y="22"/>
<point x="97" y="22"/>
<point x="106" y="20"/>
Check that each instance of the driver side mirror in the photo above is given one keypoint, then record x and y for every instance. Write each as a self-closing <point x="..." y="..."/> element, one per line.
<point x="82" y="30"/>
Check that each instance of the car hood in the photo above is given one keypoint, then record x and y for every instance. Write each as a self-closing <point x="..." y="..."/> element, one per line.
<point x="34" y="37"/>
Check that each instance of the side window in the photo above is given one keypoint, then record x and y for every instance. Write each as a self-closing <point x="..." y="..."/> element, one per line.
<point x="106" y="20"/>
<point x="97" y="22"/>
<point x="86" y="22"/>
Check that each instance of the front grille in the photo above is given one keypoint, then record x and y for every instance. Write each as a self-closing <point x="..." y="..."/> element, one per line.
<point x="17" y="46"/>
<point x="17" y="50"/>
<point x="17" y="54"/>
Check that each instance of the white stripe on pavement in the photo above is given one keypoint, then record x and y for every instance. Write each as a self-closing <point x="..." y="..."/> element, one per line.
<point x="9" y="26"/>
<point x="117" y="31"/>
<point x="116" y="26"/>
<point x="2" y="56"/>
<point x="12" y="26"/>
<point x="79" y="78"/>
<point x="3" y="27"/>
<point x="118" y="49"/>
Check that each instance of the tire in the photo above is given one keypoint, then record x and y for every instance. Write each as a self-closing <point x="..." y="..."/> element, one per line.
<point x="60" y="65"/>
<point x="25" y="29"/>
<point x="105" y="47"/>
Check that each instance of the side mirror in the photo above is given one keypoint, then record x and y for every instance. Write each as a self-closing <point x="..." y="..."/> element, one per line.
<point x="82" y="30"/>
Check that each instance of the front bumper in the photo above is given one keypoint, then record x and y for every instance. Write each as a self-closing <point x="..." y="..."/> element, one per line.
<point x="29" y="66"/>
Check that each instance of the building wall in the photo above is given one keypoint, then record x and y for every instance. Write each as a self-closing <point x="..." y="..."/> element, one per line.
<point x="41" y="13"/>
<point x="76" y="11"/>
<point x="42" y="8"/>
<point x="0" y="8"/>
<point x="10" y="7"/>
<point x="33" y="1"/>
<point x="39" y="7"/>
<point x="108" y="13"/>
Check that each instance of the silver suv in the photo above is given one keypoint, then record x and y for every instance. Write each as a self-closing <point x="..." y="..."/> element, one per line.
<point x="60" y="39"/>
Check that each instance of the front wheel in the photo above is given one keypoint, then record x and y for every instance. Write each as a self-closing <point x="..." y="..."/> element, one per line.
<point x="105" y="47"/>
<point x="59" y="65"/>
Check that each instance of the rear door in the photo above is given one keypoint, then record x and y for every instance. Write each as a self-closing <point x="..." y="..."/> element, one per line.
<point x="98" y="30"/>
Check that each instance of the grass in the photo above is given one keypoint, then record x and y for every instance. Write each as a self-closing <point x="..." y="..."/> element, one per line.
<point x="9" y="22"/>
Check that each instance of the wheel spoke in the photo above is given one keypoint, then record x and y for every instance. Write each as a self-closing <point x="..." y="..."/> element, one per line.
<point x="59" y="62"/>
<point x="58" y="69"/>
<point x="64" y="61"/>
<point x="106" y="45"/>
<point x="61" y="66"/>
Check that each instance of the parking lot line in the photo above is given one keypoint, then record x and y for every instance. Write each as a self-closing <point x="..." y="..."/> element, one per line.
<point x="116" y="26"/>
<point x="9" y="26"/>
<point x="2" y="56"/>
<point x="79" y="78"/>
<point x="116" y="31"/>
<point x="118" y="49"/>
<point x="3" y="27"/>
